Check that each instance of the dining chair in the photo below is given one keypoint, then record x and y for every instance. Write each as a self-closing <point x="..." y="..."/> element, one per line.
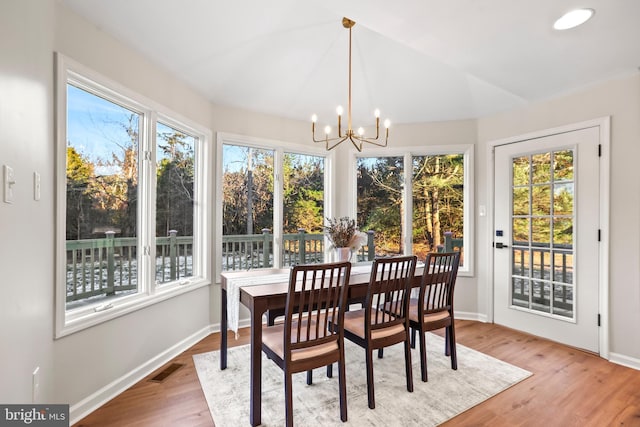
<point x="382" y="321"/>
<point x="304" y="341"/>
<point x="433" y="308"/>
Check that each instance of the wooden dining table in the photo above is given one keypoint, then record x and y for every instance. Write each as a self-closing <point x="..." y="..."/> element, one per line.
<point x="273" y="296"/>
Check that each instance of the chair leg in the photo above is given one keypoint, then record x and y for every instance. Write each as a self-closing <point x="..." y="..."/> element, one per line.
<point x="370" y="389"/>
<point x="342" y="383"/>
<point x="423" y="356"/>
<point x="380" y="353"/>
<point x="447" y="340"/>
<point x="309" y="377"/>
<point x="407" y="363"/>
<point x="288" y="391"/>
<point x="452" y="347"/>
<point x="413" y="337"/>
<point x="271" y="318"/>
<point x="330" y="371"/>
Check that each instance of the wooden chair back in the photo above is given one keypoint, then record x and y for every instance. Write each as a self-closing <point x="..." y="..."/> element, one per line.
<point x="389" y="287"/>
<point x="317" y="293"/>
<point x="436" y="289"/>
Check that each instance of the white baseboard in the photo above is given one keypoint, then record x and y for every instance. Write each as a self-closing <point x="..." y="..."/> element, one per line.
<point x="623" y="360"/>
<point x="89" y="404"/>
<point x="464" y="315"/>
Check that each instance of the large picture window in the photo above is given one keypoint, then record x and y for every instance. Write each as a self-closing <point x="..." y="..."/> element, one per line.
<point x="131" y="200"/>
<point x="271" y="204"/>
<point x="417" y="202"/>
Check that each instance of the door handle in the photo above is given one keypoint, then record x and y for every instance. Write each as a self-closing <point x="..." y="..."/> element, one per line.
<point x="499" y="245"/>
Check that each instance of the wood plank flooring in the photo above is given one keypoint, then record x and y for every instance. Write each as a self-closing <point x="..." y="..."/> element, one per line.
<point x="569" y="387"/>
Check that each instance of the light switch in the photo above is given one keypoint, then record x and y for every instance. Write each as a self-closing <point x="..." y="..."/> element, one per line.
<point x="36" y="186"/>
<point x="9" y="181"/>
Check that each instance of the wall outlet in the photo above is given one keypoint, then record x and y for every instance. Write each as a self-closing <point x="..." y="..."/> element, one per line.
<point x="35" y="385"/>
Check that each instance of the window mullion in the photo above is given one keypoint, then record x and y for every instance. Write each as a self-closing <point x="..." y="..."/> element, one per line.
<point x="278" y="195"/>
<point x="407" y="200"/>
<point x="146" y="208"/>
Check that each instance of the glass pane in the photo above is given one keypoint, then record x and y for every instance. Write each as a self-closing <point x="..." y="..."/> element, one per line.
<point x="521" y="262"/>
<point x="101" y="198"/>
<point x="521" y="201"/>
<point x="541" y="264"/>
<point x="379" y="201"/>
<point x="563" y="267"/>
<point x="520" y="231"/>
<point x="303" y="209"/>
<point x="247" y="207"/>
<point x="520" y="171"/>
<point x="175" y="172"/>
<point x="563" y="199"/>
<point x="540" y="298"/>
<point x="563" y="233"/>
<point x="563" y="300"/>
<point x="540" y="231"/>
<point x="520" y="292"/>
<point x="541" y="200"/>
<point x="563" y="165"/>
<point x="438" y="204"/>
<point x="541" y="168"/>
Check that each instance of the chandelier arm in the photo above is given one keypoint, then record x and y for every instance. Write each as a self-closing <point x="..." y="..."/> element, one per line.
<point x="377" y="143"/>
<point x="329" y="148"/>
<point x="326" y="138"/>
<point x="355" y="144"/>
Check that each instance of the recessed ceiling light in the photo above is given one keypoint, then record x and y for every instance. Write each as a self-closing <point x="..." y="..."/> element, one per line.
<point x="573" y="19"/>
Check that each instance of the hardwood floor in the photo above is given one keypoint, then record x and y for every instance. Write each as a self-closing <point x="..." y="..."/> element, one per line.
<point x="569" y="387"/>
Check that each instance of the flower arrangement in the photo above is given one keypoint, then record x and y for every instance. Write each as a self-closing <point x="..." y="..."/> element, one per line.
<point x="343" y="233"/>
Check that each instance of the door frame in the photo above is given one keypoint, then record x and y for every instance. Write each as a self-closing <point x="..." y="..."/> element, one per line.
<point x="604" y="124"/>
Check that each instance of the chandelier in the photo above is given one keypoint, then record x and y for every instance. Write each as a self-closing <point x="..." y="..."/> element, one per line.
<point x="356" y="138"/>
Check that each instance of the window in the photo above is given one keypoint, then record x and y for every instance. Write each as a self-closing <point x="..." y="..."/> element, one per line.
<point x="271" y="204"/>
<point x="430" y="213"/>
<point x="175" y="185"/>
<point x="131" y="201"/>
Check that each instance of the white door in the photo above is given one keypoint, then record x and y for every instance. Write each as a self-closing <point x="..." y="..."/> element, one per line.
<point x="546" y="237"/>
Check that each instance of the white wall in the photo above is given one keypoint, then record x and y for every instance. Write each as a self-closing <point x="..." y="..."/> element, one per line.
<point x="619" y="99"/>
<point x="26" y="252"/>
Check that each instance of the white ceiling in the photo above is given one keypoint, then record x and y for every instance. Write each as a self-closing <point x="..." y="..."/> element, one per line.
<point x="415" y="60"/>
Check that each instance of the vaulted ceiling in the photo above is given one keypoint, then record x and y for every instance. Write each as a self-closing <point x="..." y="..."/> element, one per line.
<point x="415" y="60"/>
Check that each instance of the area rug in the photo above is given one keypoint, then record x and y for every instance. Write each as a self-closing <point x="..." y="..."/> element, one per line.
<point x="446" y="394"/>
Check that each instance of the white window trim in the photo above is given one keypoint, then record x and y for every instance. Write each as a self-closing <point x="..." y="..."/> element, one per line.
<point x="279" y="148"/>
<point x="428" y="150"/>
<point x="68" y="322"/>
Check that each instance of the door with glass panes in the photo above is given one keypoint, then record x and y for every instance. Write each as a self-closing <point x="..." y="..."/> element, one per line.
<point x="546" y="237"/>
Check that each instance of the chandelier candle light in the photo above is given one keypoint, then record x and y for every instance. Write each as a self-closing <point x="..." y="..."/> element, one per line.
<point x="356" y="138"/>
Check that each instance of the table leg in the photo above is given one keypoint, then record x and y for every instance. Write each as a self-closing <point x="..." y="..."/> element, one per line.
<point x="256" y="366"/>
<point x="223" y="328"/>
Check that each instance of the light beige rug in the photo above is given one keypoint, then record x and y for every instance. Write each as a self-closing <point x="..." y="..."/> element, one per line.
<point x="445" y="395"/>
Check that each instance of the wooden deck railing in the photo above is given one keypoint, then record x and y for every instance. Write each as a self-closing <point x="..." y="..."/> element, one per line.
<point x="451" y="244"/>
<point x="102" y="267"/>
<point x="243" y="252"/>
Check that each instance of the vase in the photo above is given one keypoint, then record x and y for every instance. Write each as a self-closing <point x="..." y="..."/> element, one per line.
<point x="343" y="254"/>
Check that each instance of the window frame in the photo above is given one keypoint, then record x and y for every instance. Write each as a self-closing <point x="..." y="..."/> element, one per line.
<point x="467" y="150"/>
<point x="279" y="148"/>
<point x="67" y="322"/>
